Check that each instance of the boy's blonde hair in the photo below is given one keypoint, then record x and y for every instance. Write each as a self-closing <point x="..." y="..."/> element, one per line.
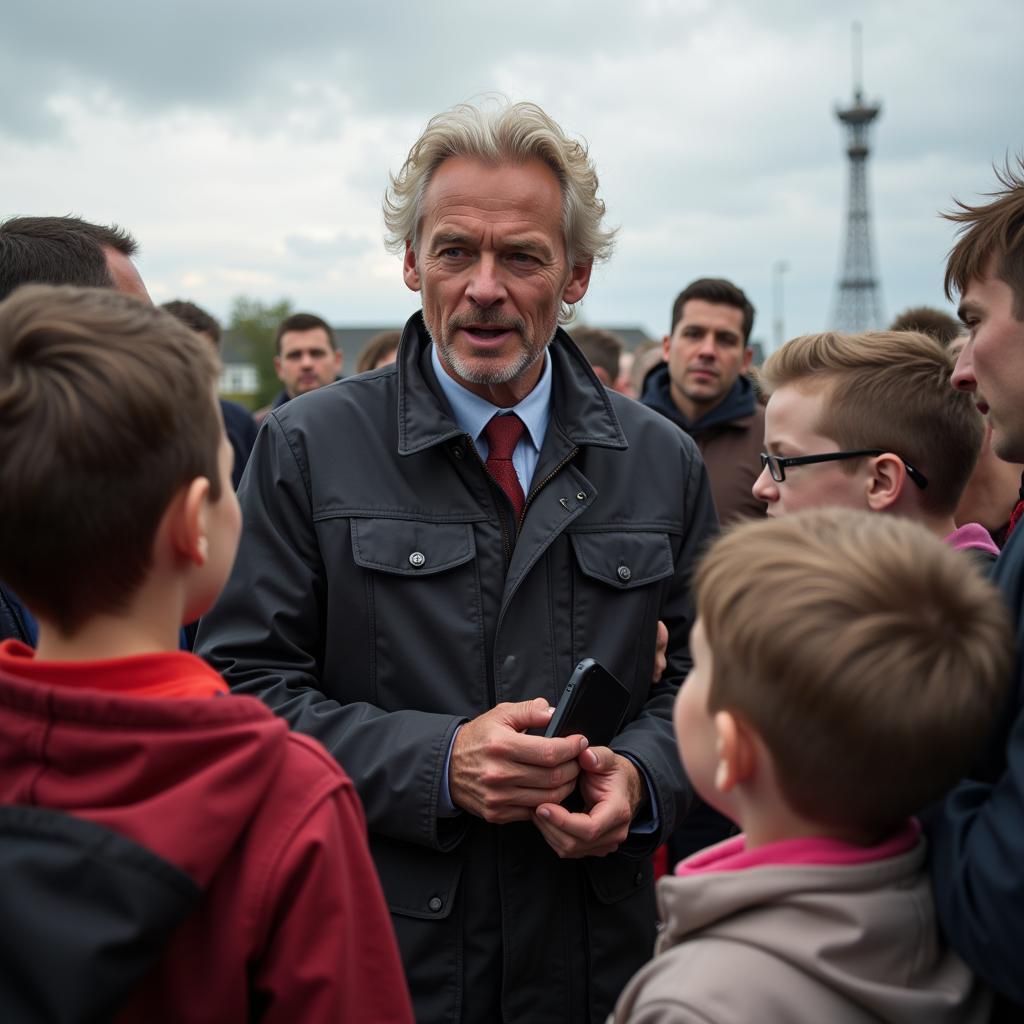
<point x="889" y="390"/>
<point x="107" y="408"/>
<point x="870" y="657"/>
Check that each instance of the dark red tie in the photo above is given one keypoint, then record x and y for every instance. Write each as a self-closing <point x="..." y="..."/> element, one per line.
<point x="503" y="433"/>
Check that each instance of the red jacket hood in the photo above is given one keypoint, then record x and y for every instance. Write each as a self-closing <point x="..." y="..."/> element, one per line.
<point x="182" y="777"/>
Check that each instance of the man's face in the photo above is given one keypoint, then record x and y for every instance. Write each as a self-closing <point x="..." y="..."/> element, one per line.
<point x="492" y="271"/>
<point x="124" y="275"/>
<point x="306" y="361"/>
<point x="705" y="354"/>
<point x="789" y="429"/>
<point x="991" y="364"/>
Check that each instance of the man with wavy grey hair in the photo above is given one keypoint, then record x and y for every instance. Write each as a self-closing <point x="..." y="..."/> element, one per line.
<point x="418" y="597"/>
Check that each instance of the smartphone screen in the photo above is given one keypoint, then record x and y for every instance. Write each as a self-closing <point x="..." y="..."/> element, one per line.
<point x="593" y="703"/>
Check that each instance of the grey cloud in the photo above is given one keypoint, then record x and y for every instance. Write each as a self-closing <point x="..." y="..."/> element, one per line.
<point x="324" y="251"/>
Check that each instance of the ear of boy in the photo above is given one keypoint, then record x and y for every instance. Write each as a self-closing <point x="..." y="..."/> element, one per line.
<point x="736" y="751"/>
<point x="886" y="480"/>
<point x="187" y="522"/>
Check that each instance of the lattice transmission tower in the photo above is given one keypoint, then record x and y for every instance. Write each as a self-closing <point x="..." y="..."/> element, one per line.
<point x="858" y="304"/>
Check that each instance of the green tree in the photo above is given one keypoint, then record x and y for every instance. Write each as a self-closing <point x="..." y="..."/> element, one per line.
<point x="253" y="326"/>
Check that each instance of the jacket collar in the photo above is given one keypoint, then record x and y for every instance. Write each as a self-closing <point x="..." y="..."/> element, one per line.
<point x="579" y="402"/>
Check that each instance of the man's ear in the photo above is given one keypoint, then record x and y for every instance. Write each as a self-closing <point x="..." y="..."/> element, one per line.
<point x="748" y="355"/>
<point x="886" y="482"/>
<point x="410" y="269"/>
<point x="579" y="282"/>
<point x="339" y="358"/>
<point x="735" y="749"/>
<point x="666" y="346"/>
<point x="187" y="521"/>
<point x="277" y="368"/>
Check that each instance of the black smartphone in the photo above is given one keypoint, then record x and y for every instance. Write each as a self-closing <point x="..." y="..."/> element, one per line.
<point x="593" y="703"/>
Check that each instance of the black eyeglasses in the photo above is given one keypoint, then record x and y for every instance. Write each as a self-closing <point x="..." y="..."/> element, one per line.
<point x="777" y="463"/>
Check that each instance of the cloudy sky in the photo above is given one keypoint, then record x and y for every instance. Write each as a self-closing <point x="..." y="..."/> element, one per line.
<point x="247" y="145"/>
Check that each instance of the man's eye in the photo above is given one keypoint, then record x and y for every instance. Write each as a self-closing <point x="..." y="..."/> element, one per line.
<point x="524" y="258"/>
<point x="453" y="252"/>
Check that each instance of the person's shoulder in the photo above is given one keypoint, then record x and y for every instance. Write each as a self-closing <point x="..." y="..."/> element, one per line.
<point x="644" y="424"/>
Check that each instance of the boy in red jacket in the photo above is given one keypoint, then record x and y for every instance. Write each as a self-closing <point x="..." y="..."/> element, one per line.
<point x="167" y="852"/>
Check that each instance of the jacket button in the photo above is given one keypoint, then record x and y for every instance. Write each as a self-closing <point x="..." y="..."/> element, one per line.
<point x="436" y="903"/>
<point x="458" y="452"/>
<point x="417" y="559"/>
<point x="624" y="573"/>
<point x="638" y="878"/>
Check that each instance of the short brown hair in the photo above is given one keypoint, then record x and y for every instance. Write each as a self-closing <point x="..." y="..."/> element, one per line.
<point x="870" y="657"/>
<point x="303" y="322"/>
<point x="58" y="250"/>
<point x="717" y="290"/>
<point x="927" y="320"/>
<point x="106" y="409"/>
<point x="376" y="348"/>
<point x="889" y="390"/>
<point x="194" y="317"/>
<point x="991" y="230"/>
<point x="602" y="348"/>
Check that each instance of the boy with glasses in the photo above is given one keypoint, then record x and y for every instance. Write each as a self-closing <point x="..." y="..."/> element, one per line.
<point x="870" y="421"/>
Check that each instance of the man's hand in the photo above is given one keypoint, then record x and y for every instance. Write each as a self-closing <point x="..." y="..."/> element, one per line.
<point x="612" y="791"/>
<point x="501" y="775"/>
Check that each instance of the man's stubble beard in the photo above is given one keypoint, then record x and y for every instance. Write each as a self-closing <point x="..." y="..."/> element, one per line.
<point x="501" y="374"/>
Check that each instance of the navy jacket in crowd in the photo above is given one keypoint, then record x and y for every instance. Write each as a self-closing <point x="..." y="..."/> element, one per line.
<point x="977" y="837"/>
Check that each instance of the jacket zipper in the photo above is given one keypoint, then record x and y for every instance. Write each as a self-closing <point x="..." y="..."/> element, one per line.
<point x="551" y="476"/>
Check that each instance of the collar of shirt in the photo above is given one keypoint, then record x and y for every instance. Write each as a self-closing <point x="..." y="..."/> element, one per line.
<point x="473" y="413"/>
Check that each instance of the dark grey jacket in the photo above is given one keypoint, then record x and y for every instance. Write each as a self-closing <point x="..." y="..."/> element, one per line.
<point x="380" y="598"/>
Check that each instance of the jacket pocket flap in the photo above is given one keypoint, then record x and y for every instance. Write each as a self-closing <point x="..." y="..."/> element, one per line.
<point x="411" y="548"/>
<point x="417" y="882"/>
<point x="624" y="560"/>
<point x="616" y="877"/>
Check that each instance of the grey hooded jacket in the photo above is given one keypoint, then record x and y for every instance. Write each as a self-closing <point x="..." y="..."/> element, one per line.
<point x="842" y="944"/>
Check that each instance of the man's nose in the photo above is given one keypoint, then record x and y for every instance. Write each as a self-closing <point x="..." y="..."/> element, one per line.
<point x="486" y="287"/>
<point x="963" y="372"/>
<point x="706" y="346"/>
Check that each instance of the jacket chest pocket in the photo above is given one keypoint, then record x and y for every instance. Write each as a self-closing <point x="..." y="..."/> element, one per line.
<point x="423" y="612"/>
<point x="617" y="589"/>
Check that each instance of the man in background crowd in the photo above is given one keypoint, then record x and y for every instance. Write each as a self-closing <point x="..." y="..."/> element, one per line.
<point x="933" y="322"/>
<point x="603" y="350"/>
<point x="702" y="387"/>
<point x="238" y="422"/>
<point x="307" y="358"/>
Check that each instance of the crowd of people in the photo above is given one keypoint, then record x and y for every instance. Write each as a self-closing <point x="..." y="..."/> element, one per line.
<point x="283" y="754"/>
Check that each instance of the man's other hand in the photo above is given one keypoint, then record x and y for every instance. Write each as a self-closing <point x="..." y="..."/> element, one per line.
<point x="500" y="774"/>
<point x="612" y="791"/>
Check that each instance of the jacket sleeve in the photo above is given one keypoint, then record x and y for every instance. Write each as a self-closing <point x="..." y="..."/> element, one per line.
<point x="649" y="738"/>
<point x="266" y="637"/>
<point x="977" y="863"/>
<point x="329" y="953"/>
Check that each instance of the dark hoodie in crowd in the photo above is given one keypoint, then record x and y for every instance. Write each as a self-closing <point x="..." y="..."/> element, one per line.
<point x="730" y="438"/>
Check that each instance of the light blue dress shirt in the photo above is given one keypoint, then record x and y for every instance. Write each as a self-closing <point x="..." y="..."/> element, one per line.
<point x="473" y="413"/>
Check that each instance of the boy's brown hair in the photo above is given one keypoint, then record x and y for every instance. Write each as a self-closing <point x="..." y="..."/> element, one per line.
<point x="990" y="230"/>
<point x="870" y="657"/>
<point x="889" y="390"/>
<point x="106" y="409"/>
